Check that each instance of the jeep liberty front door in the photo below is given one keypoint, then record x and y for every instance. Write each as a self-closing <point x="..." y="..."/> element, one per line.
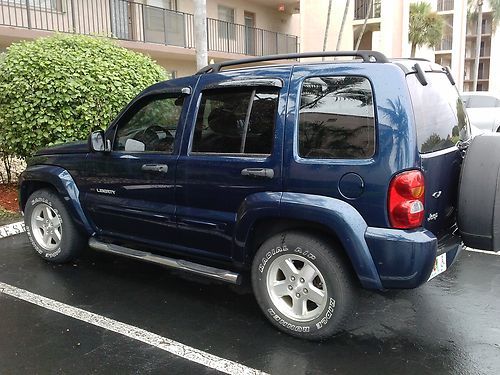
<point x="131" y="190"/>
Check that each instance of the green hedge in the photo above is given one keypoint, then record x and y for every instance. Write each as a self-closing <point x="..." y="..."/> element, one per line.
<point x="58" y="89"/>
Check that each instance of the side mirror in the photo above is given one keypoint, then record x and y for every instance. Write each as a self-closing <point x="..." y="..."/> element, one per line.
<point x="97" y="142"/>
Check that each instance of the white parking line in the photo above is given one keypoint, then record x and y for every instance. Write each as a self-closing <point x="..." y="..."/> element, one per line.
<point x="12" y="229"/>
<point x="483" y="251"/>
<point x="163" y="343"/>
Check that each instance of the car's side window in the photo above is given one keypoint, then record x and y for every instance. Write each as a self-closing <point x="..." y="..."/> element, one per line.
<point x="236" y="121"/>
<point x="151" y="126"/>
<point x="336" y="118"/>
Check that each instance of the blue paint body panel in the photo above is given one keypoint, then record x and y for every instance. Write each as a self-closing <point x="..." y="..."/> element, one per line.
<point x="64" y="184"/>
<point x="204" y="208"/>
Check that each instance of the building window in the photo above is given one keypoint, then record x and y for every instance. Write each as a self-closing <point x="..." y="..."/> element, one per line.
<point x="162" y="24"/>
<point x="336" y="118"/>
<point x="40" y="4"/>
<point x="165" y="4"/>
<point x="226" y="25"/>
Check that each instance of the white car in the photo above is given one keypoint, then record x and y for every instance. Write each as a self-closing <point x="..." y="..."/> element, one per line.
<point x="483" y="109"/>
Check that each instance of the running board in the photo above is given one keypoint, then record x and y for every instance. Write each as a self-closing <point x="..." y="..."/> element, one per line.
<point x="200" y="269"/>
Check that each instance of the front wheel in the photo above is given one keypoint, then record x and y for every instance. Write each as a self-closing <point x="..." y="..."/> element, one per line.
<point x="302" y="285"/>
<point x="51" y="229"/>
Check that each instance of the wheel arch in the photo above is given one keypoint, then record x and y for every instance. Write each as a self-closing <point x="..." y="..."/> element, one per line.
<point x="332" y="219"/>
<point x="59" y="181"/>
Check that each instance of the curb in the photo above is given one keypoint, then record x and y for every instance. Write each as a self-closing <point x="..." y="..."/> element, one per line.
<point x="12" y="229"/>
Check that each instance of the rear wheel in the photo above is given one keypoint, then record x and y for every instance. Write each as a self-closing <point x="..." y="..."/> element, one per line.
<point x="51" y="229"/>
<point x="302" y="285"/>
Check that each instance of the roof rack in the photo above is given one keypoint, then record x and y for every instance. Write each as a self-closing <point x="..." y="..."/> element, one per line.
<point x="367" y="56"/>
<point x="411" y="58"/>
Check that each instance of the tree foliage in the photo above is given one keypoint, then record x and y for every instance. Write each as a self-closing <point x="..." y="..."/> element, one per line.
<point x="473" y="7"/>
<point x="58" y="89"/>
<point x="426" y="26"/>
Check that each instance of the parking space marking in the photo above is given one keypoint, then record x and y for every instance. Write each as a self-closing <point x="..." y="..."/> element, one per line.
<point x="12" y="229"/>
<point x="160" y="342"/>
<point x="483" y="251"/>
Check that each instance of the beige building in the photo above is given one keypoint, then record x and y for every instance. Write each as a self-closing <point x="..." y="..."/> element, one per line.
<point x="387" y="31"/>
<point x="458" y="46"/>
<point x="163" y="29"/>
<point x="237" y="28"/>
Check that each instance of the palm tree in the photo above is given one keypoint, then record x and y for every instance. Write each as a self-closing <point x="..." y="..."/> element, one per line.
<point x="475" y="12"/>
<point x="426" y="26"/>
<point x="325" y="39"/>
<point x="363" y="28"/>
<point x="344" y="19"/>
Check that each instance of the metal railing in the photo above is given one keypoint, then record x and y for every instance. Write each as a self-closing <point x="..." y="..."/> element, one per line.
<point x="444" y="5"/>
<point x="135" y="21"/>
<point x="361" y="9"/>
<point x="234" y="38"/>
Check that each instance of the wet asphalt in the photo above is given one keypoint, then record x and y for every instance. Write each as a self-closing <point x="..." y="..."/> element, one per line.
<point x="450" y="325"/>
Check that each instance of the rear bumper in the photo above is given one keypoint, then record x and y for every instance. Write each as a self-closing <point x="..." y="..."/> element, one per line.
<point x="405" y="258"/>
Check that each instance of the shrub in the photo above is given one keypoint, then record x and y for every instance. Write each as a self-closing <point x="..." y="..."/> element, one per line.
<point x="58" y="89"/>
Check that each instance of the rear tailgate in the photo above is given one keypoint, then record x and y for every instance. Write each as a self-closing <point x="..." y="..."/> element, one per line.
<point x="441" y="172"/>
<point x="441" y="124"/>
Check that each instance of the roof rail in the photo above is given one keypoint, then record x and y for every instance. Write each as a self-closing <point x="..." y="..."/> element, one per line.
<point x="411" y="58"/>
<point x="367" y="56"/>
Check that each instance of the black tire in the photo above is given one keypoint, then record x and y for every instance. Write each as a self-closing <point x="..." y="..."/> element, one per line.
<point x="71" y="242"/>
<point x="478" y="206"/>
<point x="339" y="292"/>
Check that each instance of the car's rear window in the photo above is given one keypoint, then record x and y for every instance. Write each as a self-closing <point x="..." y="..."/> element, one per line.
<point x="439" y="112"/>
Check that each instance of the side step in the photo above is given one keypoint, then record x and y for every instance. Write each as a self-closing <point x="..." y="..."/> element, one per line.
<point x="214" y="273"/>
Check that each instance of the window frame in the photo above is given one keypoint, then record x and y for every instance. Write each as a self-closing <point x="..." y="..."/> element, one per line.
<point x="248" y="88"/>
<point x="56" y="6"/>
<point x="364" y="160"/>
<point x="129" y="112"/>
<point x="231" y="25"/>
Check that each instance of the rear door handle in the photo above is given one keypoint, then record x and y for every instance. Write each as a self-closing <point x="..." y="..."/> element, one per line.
<point x="161" y="168"/>
<point x="258" y="172"/>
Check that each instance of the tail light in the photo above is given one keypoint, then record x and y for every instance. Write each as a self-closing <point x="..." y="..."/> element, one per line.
<point x="406" y="200"/>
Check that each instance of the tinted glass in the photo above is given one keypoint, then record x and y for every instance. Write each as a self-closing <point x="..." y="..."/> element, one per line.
<point x="439" y="113"/>
<point x="222" y="127"/>
<point x="336" y="118"/>
<point x="150" y="127"/>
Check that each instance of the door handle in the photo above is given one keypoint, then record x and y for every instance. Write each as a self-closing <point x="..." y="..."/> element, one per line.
<point x="258" y="172"/>
<point x="161" y="168"/>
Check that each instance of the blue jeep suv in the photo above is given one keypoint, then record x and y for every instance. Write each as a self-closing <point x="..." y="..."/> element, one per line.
<point x="311" y="178"/>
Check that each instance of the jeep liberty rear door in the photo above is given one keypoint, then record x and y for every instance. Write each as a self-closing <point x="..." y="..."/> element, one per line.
<point x="232" y="151"/>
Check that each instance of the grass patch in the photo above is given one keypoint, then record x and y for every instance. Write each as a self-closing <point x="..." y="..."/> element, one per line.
<point x="8" y="217"/>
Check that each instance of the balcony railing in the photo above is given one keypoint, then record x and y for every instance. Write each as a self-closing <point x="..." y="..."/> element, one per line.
<point x="229" y="37"/>
<point x="135" y="21"/>
<point x="361" y="9"/>
<point x="444" y="5"/>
